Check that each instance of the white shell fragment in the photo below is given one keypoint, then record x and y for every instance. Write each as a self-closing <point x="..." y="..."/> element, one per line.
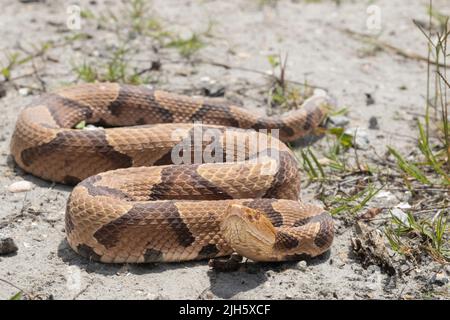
<point x="20" y="186"/>
<point x="24" y="92"/>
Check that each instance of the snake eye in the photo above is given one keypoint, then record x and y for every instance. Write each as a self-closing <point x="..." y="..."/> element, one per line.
<point x="252" y="215"/>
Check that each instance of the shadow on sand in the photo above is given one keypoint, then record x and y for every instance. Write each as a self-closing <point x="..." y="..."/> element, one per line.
<point x="222" y="284"/>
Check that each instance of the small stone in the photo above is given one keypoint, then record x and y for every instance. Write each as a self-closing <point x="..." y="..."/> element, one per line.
<point x="357" y="269"/>
<point x="2" y="91"/>
<point x="156" y="65"/>
<point x="302" y="265"/>
<point x="373" y="269"/>
<point x="369" y="99"/>
<point x="384" y="199"/>
<point x="391" y="284"/>
<point x="24" y="92"/>
<point x="152" y="296"/>
<point x="92" y="127"/>
<point x="447" y="269"/>
<point x="400" y="215"/>
<point x="320" y="93"/>
<point x="405" y="269"/>
<point x="7" y="246"/>
<point x="373" y="123"/>
<point x="339" y="121"/>
<point x="440" y="279"/>
<point x="361" y="138"/>
<point x="324" y="292"/>
<point x="403" y="206"/>
<point x="270" y="273"/>
<point x="206" y="79"/>
<point x="20" y="186"/>
<point x="372" y="286"/>
<point x="208" y="295"/>
<point x="213" y="90"/>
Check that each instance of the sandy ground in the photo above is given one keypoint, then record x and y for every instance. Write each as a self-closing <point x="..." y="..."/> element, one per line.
<point x="243" y="35"/>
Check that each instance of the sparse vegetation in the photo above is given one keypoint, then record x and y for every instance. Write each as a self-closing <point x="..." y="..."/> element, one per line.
<point x="18" y="58"/>
<point x="17" y="296"/>
<point x="115" y="69"/>
<point x="187" y="47"/>
<point x="413" y="235"/>
<point x="118" y="65"/>
<point x="432" y="168"/>
<point x="284" y="95"/>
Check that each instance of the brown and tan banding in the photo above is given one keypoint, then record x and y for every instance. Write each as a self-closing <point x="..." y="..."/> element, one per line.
<point x="246" y="201"/>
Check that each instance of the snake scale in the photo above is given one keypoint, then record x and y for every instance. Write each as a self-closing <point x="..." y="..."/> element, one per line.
<point x="134" y="203"/>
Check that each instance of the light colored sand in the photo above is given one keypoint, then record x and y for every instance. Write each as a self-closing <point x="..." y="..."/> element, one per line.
<point x="244" y="34"/>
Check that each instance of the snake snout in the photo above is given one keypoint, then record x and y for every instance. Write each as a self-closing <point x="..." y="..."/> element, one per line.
<point x="249" y="232"/>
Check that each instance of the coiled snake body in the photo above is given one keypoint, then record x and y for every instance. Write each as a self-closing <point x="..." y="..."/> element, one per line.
<point x="246" y="201"/>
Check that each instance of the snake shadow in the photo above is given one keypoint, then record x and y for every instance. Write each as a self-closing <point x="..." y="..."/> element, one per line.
<point x="71" y="258"/>
<point x="223" y="285"/>
<point x="252" y="274"/>
<point x="226" y="285"/>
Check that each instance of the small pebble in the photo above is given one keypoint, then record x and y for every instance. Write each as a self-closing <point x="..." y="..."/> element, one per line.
<point x="403" y="206"/>
<point x="373" y="123"/>
<point x="369" y="99"/>
<point x="302" y="265"/>
<point x="360" y="136"/>
<point x="206" y="79"/>
<point x="2" y="91"/>
<point x="92" y="127"/>
<point x="384" y="199"/>
<point x="152" y="296"/>
<point x="339" y="121"/>
<point x="440" y="279"/>
<point x="320" y="93"/>
<point x="372" y="286"/>
<point x="24" y="92"/>
<point x="373" y="268"/>
<point x="213" y="90"/>
<point x="7" y="246"/>
<point x="20" y="186"/>
<point x="400" y="215"/>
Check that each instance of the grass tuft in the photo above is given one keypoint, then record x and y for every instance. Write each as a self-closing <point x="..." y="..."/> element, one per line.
<point x="282" y="94"/>
<point x="187" y="47"/>
<point x="432" y="235"/>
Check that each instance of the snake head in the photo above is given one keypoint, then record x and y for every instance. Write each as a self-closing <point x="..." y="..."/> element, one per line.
<point x="249" y="232"/>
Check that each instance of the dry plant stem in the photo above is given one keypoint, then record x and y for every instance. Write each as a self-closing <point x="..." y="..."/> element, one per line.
<point x="387" y="46"/>
<point x="12" y="285"/>
<point x="230" y="67"/>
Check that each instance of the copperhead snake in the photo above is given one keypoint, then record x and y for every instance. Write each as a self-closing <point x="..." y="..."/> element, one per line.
<point x="132" y="204"/>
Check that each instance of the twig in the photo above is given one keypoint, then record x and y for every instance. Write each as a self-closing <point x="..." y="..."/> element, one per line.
<point x="38" y="76"/>
<point x="13" y="285"/>
<point x="81" y="292"/>
<point x="390" y="47"/>
<point x="230" y="67"/>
